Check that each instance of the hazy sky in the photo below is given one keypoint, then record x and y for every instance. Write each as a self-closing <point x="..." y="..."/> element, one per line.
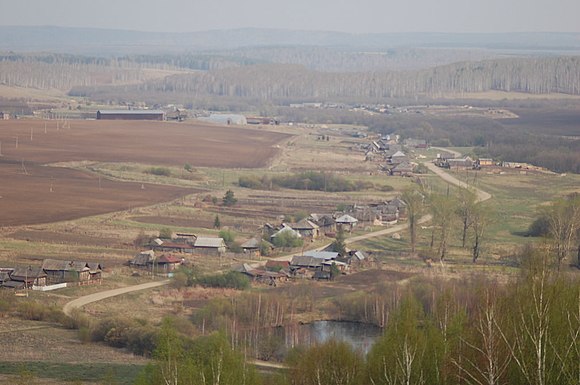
<point x="357" y="16"/>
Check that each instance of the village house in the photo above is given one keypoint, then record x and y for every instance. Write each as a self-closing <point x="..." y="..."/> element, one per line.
<point x="325" y="223"/>
<point x="398" y="157"/>
<point x="26" y="277"/>
<point x="346" y="222"/>
<point x="254" y="245"/>
<point x="285" y="229"/>
<point x="143" y="260"/>
<point x="209" y="246"/>
<point x="179" y="245"/>
<point x="459" y="164"/>
<point x="484" y="162"/>
<point x="61" y="271"/>
<point x="403" y="169"/>
<point x="166" y="264"/>
<point x="307" y="229"/>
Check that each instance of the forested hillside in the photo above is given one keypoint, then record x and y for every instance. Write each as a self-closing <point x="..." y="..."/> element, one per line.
<point x="287" y="82"/>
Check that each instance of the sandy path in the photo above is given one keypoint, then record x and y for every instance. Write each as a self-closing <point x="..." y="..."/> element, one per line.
<point x="85" y="300"/>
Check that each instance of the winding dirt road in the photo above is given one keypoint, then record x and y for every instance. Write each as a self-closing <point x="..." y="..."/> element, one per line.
<point x="85" y="300"/>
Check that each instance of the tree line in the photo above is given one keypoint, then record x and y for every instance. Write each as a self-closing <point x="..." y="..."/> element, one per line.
<point x="475" y="331"/>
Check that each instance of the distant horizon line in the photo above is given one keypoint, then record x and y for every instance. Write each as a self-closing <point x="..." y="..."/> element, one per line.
<point x="290" y="30"/>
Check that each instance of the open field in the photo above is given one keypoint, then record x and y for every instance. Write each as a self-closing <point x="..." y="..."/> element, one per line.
<point x="51" y="194"/>
<point x="31" y="193"/>
<point x="546" y="121"/>
<point x="158" y="143"/>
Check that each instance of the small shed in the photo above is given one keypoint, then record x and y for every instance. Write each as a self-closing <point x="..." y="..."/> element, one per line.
<point x="167" y="263"/>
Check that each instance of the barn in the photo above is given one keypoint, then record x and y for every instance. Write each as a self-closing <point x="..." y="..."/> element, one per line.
<point x="130" y="115"/>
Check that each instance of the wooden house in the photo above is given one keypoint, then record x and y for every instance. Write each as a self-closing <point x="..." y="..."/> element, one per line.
<point x="346" y="222"/>
<point x="143" y="260"/>
<point x="60" y="271"/>
<point x="166" y="264"/>
<point x="325" y="222"/>
<point x="253" y="245"/>
<point x="209" y="246"/>
<point x="29" y="276"/>
<point x="306" y="229"/>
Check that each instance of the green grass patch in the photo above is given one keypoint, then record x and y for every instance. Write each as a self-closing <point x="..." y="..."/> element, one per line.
<point x="122" y="374"/>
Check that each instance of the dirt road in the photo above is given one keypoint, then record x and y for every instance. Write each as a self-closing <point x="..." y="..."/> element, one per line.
<point x="85" y="300"/>
<point x="481" y="195"/>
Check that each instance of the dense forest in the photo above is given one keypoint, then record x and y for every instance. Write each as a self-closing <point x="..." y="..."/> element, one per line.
<point x="280" y="82"/>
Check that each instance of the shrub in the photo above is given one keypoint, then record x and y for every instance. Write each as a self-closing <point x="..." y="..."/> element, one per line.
<point x="159" y="171"/>
<point x="287" y="239"/>
<point x="231" y="279"/>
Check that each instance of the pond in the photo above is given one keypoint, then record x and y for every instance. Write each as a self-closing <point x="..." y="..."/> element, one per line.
<point x="360" y="336"/>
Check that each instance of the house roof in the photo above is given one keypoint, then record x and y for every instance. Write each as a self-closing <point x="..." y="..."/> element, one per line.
<point x="286" y="228"/>
<point x="273" y="264"/>
<point x="346" y="219"/>
<point x="252" y="243"/>
<point x="325" y="255"/>
<point x="306" y="261"/>
<point x="359" y="255"/>
<point x="209" y="242"/>
<point x="398" y="154"/>
<point x="27" y="273"/>
<point x="142" y="259"/>
<point x="168" y="259"/>
<point x="62" y="265"/>
<point x="405" y="166"/>
<point x="304" y="224"/>
<point x="323" y="220"/>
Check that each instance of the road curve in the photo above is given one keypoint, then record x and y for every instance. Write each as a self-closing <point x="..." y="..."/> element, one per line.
<point x="481" y="195"/>
<point x="85" y="300"/>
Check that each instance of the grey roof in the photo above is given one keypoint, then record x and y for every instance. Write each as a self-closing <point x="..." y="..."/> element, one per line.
<point x="325" y="255"/>
<point x="209" y="242"/>
<point x="285" y="229"/>
<point x="346" y="219"/>
<point x="305" y="261"/>
<point x="304" y="224"/>
<point x="399" y="154"/>
<point x="62" y="265"/>
<point x="254" y="243"/>
<point x="27" y="273"/>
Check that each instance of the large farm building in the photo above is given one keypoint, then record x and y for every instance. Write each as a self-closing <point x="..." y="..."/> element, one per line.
<point x="130" y="115"/>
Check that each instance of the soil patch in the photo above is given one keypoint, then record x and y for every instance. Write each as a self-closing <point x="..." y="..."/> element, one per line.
<point x="51" y="194"/>
<point x="157" y="143"/>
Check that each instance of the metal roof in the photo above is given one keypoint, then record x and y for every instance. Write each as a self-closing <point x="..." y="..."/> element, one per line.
<point x="326" y="255"/>
<point x="346" y="219"/>
<point x="209" y="242"/>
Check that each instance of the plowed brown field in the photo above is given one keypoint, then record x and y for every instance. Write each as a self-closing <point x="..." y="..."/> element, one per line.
<point x="31" y="193"/>
<point x="27" y="198"/>
<point x="159" y="143"/>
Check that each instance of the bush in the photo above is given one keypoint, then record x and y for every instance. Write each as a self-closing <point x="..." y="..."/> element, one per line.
<point x="159" y="171"/>
<point x="287" y="239"/>
<point x="231" y="279"/>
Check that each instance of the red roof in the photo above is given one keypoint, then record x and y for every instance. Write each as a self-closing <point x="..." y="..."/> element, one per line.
<point x="168" y="259"/>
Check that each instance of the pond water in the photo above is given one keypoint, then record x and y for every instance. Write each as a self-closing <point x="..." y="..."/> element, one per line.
<point x="358" y="335"/>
